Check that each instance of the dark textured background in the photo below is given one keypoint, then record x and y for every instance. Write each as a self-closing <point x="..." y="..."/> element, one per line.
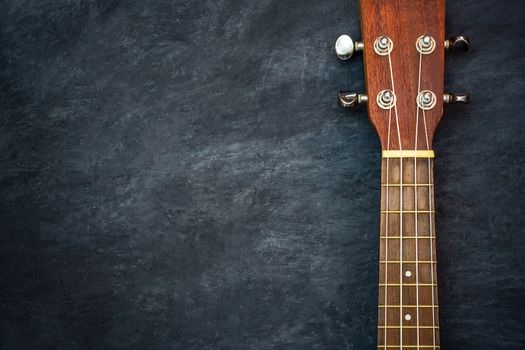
<point x="178" y="175"/>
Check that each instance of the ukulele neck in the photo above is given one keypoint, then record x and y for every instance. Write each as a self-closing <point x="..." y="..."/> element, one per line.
<point x="408" y="293"/>
<point x="403" y="45"/>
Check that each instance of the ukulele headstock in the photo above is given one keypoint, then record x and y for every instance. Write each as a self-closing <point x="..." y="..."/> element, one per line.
<point x="404" y="53"/>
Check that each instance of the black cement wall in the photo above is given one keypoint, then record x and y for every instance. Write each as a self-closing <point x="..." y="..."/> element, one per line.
<point x="178" y="175"/>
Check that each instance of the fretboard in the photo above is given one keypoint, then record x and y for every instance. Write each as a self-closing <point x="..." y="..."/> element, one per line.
<point x="408" y="299"/>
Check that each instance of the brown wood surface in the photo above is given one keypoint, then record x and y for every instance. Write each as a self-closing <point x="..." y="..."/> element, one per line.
<point x="408" y="304"/>
<point x="417" y="203"/>
<point x="404" y="21"/>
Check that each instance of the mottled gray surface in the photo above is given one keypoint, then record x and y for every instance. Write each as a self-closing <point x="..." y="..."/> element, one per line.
<point x="177" y="175"/>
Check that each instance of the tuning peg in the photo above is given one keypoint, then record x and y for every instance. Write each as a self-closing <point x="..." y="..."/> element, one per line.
<point x="351" y="99"/>
<point x="456" y="98"/>
<point x="345" y="47"/>
<point x="458" y="43"/>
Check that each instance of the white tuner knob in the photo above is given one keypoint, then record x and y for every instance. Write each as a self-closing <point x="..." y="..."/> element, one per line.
<point x="345" y="47"/>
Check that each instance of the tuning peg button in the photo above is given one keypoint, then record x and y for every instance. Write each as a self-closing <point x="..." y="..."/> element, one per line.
<point x="345" y="47"/>
<point x="458" y="43"/>
<point x="456" y="98"/>
<point x="351" y="99"/>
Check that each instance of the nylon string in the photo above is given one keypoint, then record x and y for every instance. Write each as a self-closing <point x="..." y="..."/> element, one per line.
<point x="385" y="330"/>
<point x="400" y="212"/>
<point x="415" y="202"/>
<point x="430" y="239"/>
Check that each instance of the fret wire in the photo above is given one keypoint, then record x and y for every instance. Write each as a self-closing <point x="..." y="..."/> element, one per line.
<point x="410" y="346"/>
<point x="407" y="185"/>
<point x="408" y="262"/>
<point x="397" y="306"/>
<point x="407" y="237"/>
<point x="411" y="327"/>
<point x="407" y="212"/>
<point x="409" y="308"/>
<point x="407" y="284"/>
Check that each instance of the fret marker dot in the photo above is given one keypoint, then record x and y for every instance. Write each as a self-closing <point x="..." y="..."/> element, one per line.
<point x="408" y="273"/>
<point x="408" y="317"/>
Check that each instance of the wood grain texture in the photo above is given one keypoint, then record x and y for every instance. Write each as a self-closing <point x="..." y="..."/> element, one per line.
<point x="408" y="312"/>
<point x="404" y="21"/>
<point x="407" y="244"/>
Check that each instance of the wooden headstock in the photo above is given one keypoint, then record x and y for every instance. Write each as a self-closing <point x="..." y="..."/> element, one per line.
<point x="404" y="51"/>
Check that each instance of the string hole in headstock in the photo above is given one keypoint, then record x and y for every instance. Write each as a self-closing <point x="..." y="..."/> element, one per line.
<point x="425" y="44"/>
<point x="386" y="99"/>
<point x="383" y="45"/>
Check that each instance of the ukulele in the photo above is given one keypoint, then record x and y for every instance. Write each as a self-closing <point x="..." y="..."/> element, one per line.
<point x="404" y="50"/>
